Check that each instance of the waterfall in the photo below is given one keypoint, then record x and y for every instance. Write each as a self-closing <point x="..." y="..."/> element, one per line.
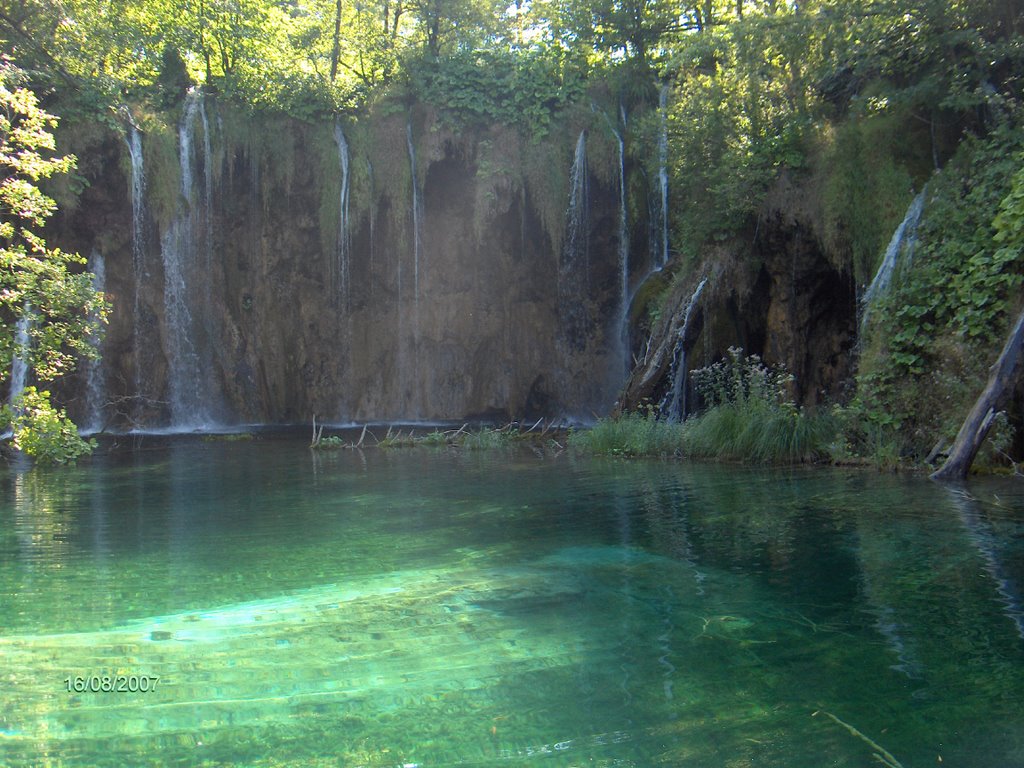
<point x="623" y="321"/>
<point x="417" y="219"/>
<point x="19" y="360"/>
<point x="95" y="389"/>
<point x="344" y="237"/>
<point x="663" y="172"/>
<point x="677" y="405"/>
<point x="138" y="192"/>
<point x="187" y="277"/>
<point x="372" y="217"/>
<point x="621" y="325"/>
<point x="207" y="195"/>
<point x="903" y="241"/>
<point x="417" y="212"/>
<point x="19" y="365"/>
<point x="574" y="268"/>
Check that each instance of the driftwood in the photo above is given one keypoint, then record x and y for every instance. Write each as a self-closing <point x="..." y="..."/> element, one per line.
<point x="972" y="434"/>
<point x="317" y="436"/>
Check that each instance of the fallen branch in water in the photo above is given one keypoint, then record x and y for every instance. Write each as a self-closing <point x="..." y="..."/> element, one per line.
<point x="881" y="754"/>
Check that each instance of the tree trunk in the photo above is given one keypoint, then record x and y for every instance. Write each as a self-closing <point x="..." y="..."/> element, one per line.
<point x="976" y="426"/>
<point x="336" y="50"/>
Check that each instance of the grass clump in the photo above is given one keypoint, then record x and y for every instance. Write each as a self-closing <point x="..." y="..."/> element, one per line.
<point x="631" y="434"/>
<point x="487" y="439"/>
<point x="751" y="416"/>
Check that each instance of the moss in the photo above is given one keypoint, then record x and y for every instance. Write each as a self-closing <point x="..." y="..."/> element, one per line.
<point x="392" y="178"/>
<point x="545" y="173"/>
<point x="867" y="189"/>
<point x="161" y="164"/>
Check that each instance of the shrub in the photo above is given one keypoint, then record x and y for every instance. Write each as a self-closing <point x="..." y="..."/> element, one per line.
<point x="43" y="432"/>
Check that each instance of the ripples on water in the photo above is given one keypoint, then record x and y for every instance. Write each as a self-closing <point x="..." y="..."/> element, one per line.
<point x="423" y="607"/>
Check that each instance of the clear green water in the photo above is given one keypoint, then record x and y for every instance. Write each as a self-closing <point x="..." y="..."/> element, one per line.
<point x="437" y="609"/>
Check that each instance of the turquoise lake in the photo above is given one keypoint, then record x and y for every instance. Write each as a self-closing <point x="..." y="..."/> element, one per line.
<point x="431" y="607"/>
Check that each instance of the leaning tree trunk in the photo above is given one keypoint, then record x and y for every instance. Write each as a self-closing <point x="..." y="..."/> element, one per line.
<point x="978" y="421"/>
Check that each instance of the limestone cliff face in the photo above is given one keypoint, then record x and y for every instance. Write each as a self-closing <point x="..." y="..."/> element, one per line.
<point x="265" y="279"/>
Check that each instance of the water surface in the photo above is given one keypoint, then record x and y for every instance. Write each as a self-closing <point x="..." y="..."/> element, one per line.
<point x="433" y="608"/>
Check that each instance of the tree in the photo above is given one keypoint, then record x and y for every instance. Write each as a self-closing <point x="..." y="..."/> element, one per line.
<point x="37" y="280"/>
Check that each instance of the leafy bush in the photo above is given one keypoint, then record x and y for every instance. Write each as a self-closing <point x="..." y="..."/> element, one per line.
<point x="526" y="89"/>
<point x="742" y="380"/>
<point x="43" y="432"/>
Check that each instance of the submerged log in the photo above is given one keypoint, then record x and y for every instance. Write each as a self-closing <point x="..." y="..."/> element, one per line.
<point x="979" y="420"/>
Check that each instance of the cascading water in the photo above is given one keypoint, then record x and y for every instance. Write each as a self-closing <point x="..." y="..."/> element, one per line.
<point x="417" y="218"/>
<point x="621" y="326"/>
<point x="372" y="217"/>
<point x="139" y="267"/>
<point x="676" y="396"/>
<point x="207" y="197"/>
<point x="663" y="173"/>
<point x="901" y="245"/>
<point x="19" y="362"/>
<point x="138" y="191"/>
<point x="623" y="322"/>
<point x="574" y="268"/>
<point x="95" y="388"/>
<point x="341" y="269"/>
<point x="417" y="214"/>
<point x="186" y="277"/>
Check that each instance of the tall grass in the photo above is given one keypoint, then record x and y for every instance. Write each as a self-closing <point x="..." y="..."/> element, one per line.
<point x="750" y="417"/>
<point x="631" y="435"/>
<point x="757" y="432"/>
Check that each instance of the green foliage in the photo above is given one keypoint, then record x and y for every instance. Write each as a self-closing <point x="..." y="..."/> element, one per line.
<point x="481" y="87"/>
<point x="867" y="190"/>
<point x="43" y="432"/>
<point x="861" y="437"/>
<point x="737" y="114"/>
<point x="742" y="380"/>
<point x="34" y="278"/>
<point x="330" y="443"/>
<point x="631" y="434"/>
<point x="752" y="416"/>
<point x="929" y="344"/>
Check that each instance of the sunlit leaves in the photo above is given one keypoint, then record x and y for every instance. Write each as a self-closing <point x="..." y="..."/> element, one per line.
<point x="31" y="274"/>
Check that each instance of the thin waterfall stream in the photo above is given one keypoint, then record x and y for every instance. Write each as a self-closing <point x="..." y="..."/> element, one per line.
<point x="342" y="268"/>
<point x="133" y="139"/>
<point x="677" y="392"/>
<point x="95" y="387"/>
<point x="663" y="172"/>
<point x="899" y="250"/>
<point x="574" y="267"/>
